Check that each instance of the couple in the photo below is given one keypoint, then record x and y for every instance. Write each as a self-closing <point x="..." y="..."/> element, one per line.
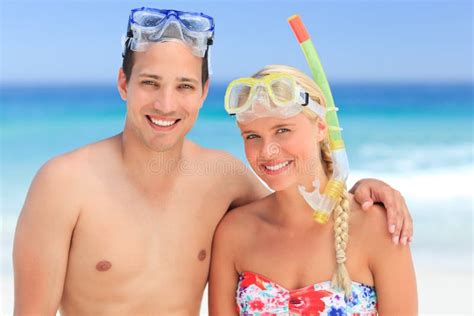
<point x="118" y="228"/>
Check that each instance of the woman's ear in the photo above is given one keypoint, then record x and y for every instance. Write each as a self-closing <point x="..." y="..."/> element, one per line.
<point x="322" y="129"/>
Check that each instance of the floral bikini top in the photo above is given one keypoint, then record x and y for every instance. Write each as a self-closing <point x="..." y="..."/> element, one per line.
<point x="259" y="296"/>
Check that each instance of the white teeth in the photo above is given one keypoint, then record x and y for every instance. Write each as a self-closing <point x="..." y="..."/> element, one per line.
<point x="162" y="122"/>
<point x="277" y="167"/>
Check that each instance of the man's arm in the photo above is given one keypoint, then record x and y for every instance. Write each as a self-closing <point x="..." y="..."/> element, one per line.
<point x="367" y="192"/>
<point x="42" y="239"/>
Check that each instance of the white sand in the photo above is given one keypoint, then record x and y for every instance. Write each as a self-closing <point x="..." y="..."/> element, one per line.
<point x="445" y="284"/>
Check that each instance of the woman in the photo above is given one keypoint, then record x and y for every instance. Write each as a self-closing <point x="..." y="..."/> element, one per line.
<point x="270" y="257"/>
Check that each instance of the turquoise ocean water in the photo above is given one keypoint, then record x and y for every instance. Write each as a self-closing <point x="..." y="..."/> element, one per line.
<point x="417" y="137"/>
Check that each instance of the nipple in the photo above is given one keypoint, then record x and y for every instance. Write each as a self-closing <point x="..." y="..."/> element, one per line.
<point x="202" y="255"/>
<point x="103" y="265"/>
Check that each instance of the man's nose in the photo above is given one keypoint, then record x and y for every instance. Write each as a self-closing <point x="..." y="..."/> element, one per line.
<point x="165" y="101"/>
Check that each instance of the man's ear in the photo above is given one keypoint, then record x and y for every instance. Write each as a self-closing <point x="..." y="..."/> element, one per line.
<point x="205" y="90"/>
<point x="122" y="84"/>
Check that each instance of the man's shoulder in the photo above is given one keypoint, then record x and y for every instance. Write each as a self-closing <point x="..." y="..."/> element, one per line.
<point x="61" y="183"/>
<point x="215" y="161"/>
<point x="78" y="162"/>
<point x="197" y="150"/>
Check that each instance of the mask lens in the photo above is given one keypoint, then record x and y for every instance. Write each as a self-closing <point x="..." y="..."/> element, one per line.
<point x="195" y="23"/>
<point x="239" y="95"/>
<point x="283" y="90"/>
<point x="148" y="19"/>
<point x="173" y="30"/>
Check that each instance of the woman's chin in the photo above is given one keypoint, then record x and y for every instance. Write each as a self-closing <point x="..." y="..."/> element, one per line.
<point x="279" y="185"/>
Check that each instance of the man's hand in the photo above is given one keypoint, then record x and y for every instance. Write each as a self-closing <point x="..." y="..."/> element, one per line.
<point x="400" y="224"/>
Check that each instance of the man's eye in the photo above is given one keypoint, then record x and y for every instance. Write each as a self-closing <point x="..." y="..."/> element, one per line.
<point x="149" y="83"/>
<point x="186" y="86"/>
<point x="251" y="136"/>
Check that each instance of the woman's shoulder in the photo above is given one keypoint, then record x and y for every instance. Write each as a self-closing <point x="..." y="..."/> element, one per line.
<point x="370" y="225"/>
<point x="243" y="221"/>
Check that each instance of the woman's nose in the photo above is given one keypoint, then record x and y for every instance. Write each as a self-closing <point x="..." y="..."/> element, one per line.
<point x="270" y="149"/>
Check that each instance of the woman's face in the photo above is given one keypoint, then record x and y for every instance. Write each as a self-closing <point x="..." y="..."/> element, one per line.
<point x="284" y="152"/>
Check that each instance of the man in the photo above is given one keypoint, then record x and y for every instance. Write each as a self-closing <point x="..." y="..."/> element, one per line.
<point x="124" y="226"/>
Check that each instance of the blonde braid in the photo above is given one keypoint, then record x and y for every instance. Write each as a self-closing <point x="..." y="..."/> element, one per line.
<point x="326" y="157"/>
<point x="341" y="278"/>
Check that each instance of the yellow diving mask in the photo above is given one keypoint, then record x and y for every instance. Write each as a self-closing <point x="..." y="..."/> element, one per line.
<point x="274" y="95"/>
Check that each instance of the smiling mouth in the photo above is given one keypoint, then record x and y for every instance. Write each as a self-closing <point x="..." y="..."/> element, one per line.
<point x="276" y="168"/>
<point x="162" y="123"/>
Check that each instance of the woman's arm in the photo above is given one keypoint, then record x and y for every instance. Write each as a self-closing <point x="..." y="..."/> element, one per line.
<point x="392" y="269"/>
<point x="223" y="276"/>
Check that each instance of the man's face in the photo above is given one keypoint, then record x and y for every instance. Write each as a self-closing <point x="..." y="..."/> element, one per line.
<point x="164" y="94"/>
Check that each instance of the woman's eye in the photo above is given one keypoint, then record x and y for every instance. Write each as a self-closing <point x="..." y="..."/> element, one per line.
<point x="251" y="136"/>
<point x="282" y="130"/>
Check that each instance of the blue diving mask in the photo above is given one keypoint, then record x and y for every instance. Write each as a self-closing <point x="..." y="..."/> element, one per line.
<point x="148" y="25"/>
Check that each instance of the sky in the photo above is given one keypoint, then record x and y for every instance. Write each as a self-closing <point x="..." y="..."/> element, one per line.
<point x="80" y="41"/>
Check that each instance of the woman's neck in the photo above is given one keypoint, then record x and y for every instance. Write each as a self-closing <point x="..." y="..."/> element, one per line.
<point x="291" y="208"/>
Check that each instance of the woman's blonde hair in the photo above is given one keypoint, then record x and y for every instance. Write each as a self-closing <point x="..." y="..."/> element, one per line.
<point x="341" y="277"/>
